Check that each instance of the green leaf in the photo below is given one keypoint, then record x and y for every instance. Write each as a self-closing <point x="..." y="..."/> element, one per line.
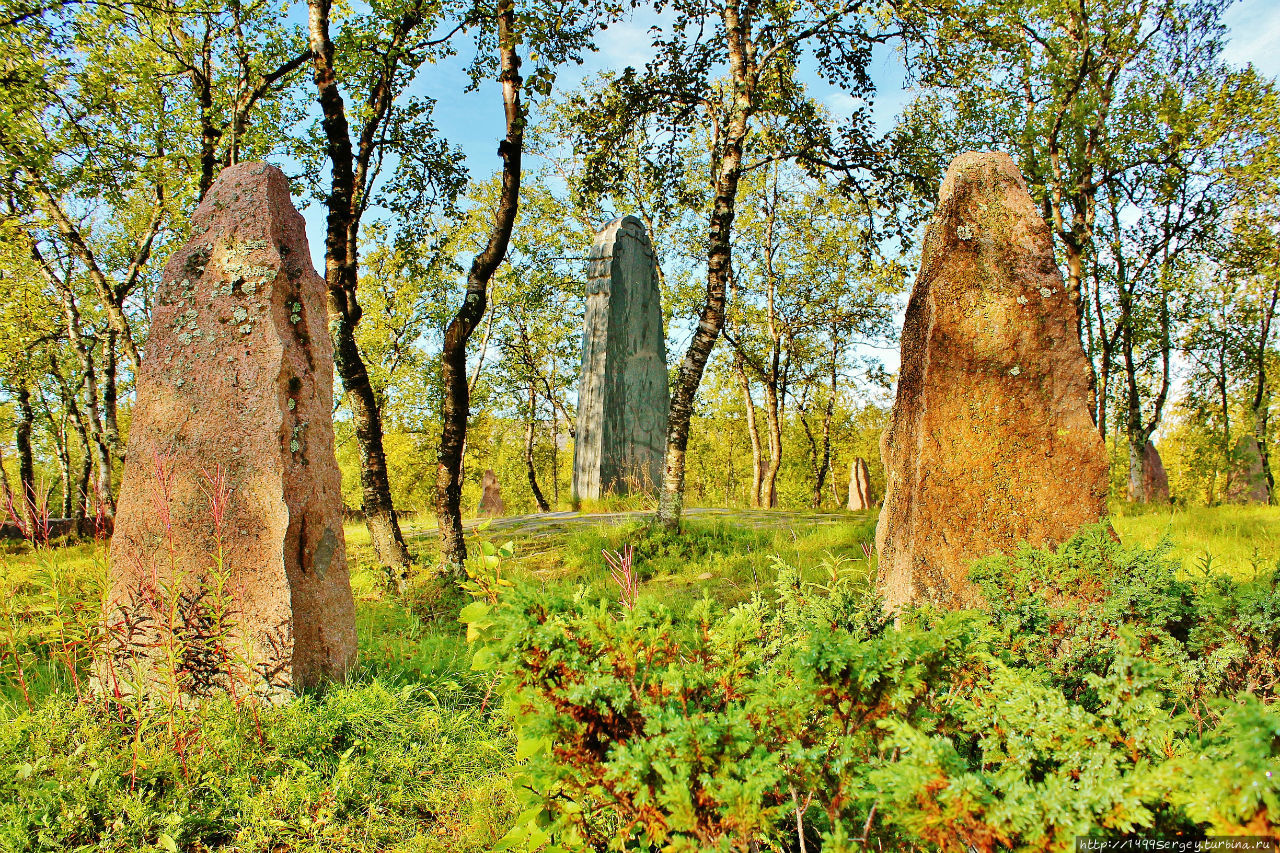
<point x="529" y="747"/>
<point x="525" y="834"/>
<point x="474" y="612"/>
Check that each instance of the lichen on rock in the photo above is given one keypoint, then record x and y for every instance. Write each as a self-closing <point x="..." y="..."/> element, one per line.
<point x="295" y="624"/>
<point x="990" y="443"/>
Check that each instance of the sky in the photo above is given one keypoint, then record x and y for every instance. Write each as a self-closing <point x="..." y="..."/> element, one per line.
<point x="473" y="120"/>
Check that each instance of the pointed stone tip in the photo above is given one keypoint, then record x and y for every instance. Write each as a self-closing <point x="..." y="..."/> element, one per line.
<point x="251" y="171"/>
<point x="613" y="225"/>
<point x="242" y="186"/>
<point x="978" y="166"/>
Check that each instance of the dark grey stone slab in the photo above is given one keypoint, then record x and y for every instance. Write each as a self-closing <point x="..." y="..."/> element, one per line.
<point x="622" y="388"/>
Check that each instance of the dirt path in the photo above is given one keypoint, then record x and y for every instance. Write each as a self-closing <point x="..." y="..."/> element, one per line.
<point x="561" y="522"/>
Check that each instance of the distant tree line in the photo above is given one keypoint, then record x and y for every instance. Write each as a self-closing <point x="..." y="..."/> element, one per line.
<point x="785" y="233"/>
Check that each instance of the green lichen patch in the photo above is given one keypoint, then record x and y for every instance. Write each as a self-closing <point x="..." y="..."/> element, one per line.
<point x="296" y="437"/>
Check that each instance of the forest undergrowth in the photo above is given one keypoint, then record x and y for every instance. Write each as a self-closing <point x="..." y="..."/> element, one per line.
<point x="949" y="731"/>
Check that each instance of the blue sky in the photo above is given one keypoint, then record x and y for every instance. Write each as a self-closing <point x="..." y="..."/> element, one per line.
<point x="473" y="120"/>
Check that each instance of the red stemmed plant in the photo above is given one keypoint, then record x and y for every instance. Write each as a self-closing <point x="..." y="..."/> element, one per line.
<point x="622" y="569"/>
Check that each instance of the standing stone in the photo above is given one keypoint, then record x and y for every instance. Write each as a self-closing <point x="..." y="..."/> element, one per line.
<point x="990" y="443"/>
<point x="1155" y="480"/>
<point x="231" y="453"/>
<point x="622" y="393"/>
<point x="491" y="502"/>
<point x="1248" y="479"/>
<point x="859" y="485"/>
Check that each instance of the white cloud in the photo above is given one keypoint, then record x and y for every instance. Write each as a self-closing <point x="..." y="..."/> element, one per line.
<point x="1254" y="35"/>
<point x="623" y="44"/>
<point x="842" y="103"/>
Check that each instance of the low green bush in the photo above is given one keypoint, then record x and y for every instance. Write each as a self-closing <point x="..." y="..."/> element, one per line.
<point x="1103" y="690"/>
<point x="1098" y="694"/>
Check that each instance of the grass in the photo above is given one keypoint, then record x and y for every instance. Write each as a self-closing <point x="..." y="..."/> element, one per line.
<point x="409" y="754"/>
<point x="717" y="555"/>
<point x="362" y="768"/>
<point x="710" y="559"/>
<point x="1233" y="540"/>
<point x="402" y="757"/>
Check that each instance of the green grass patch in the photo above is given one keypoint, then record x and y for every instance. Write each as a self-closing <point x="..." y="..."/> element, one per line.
<point x="365" y="767"/>
<point x="414" y="751"/>
<point x="1234" y="540"/>
<point x="717" y="558"/>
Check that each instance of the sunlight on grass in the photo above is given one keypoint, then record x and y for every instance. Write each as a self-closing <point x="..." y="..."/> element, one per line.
<point x="728" y="558"/>
<point x="724" y="558"/>
<point x="1237" y="539"/>
<point x="412" y="715"/>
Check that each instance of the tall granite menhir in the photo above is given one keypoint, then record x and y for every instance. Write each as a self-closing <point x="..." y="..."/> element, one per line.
<point x="990" y="443"/>
<point x="231" y="500"/>
<point x="622" y="392"/>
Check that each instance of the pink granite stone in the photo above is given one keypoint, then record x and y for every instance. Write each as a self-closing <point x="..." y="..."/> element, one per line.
<point x="231" y="496"/>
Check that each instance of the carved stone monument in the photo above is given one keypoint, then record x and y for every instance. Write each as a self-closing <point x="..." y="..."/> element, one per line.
<point x="859" y="485"/>
<point x="622" y="390"/>
<point x="990" y="443"/>
<point x="230" y="508"/>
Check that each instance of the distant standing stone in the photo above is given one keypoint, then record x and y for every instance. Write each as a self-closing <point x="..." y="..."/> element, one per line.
<point x="622" y="391"/>
<point x="491" y="502"/>
<point x="231" y="452"/>
<point x="1248" y="479"/>
<point x="1155" y="480"/>
<point x="990" y="443"/>
<point x="859" y="485"/>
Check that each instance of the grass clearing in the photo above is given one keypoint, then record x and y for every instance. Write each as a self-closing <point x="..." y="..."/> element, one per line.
<point x="714" y="558"/>
<point x="411" y="753"/>
<point x="1233" y="540"/>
